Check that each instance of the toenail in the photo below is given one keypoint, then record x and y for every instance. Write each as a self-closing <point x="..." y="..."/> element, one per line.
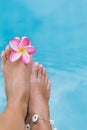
<point x="41" y="65"/>
<point x="44" y="70"/>
<point x="7" y="47"/>
<point x="35" y="64"/>
<point x="49" y="82"/>
<point x="2" y="54"/>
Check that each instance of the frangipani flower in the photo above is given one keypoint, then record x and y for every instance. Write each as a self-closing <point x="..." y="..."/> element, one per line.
<point x="22" y="50"/>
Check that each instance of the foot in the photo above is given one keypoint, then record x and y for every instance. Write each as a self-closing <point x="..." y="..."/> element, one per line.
<point x="39" y="96"/>
<point x="16" y="78"/>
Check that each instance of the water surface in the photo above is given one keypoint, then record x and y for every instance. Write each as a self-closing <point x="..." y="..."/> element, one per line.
<point x="58" y="29"/>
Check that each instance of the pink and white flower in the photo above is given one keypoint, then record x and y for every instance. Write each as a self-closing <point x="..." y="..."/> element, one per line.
<point x="22" y="50"/>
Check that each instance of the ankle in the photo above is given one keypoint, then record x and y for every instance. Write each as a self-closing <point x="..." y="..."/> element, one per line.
<point x="39" y="122"/>
<point x="17" y="107"/>
<point x="42" y="111"/>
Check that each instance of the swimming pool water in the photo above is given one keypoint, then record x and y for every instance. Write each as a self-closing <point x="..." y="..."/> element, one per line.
<point x="58" y="29"/>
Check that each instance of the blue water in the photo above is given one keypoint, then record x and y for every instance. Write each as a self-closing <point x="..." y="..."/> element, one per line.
<point x="58" y="29"/>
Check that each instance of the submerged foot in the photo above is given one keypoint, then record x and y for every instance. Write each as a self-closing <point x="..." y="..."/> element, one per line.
<point x="39" y="96"/>
<point x="16" y="77"/>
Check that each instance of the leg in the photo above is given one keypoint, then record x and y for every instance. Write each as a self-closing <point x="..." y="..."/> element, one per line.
<point x="39" y="97"/>
<point x="12" y="118"/>
<point x="16" y="77"/>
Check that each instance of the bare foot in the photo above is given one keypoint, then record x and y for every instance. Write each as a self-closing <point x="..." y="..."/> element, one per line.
<point x="39" y="97"/>
<point x="16" y="77"/>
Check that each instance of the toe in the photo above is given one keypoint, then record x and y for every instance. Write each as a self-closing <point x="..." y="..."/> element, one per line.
<point x="35" y="69"/>
<point x="48" y="89"/>
<point x="40" y="71"/>
<point x="3" y="56"/>
<point x="48" y="85"/>
<point x="8" y="51"/>
<point x="46" y="79"/>
<point x="44" y="72"/>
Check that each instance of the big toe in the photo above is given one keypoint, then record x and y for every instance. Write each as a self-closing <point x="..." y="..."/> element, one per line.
<point x="7" y="51"/>
<point x="34" y="71"/>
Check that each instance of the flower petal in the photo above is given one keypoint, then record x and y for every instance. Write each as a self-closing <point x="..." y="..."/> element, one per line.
<point x="30" y="49"/>
<point x="25" y="58"/>
<point x="14" y="56"/>
<point x="25" y="41"/>
<point x="14" y="43"/>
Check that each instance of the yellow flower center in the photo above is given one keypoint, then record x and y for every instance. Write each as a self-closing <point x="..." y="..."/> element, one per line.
<point x="21" y="50"/>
